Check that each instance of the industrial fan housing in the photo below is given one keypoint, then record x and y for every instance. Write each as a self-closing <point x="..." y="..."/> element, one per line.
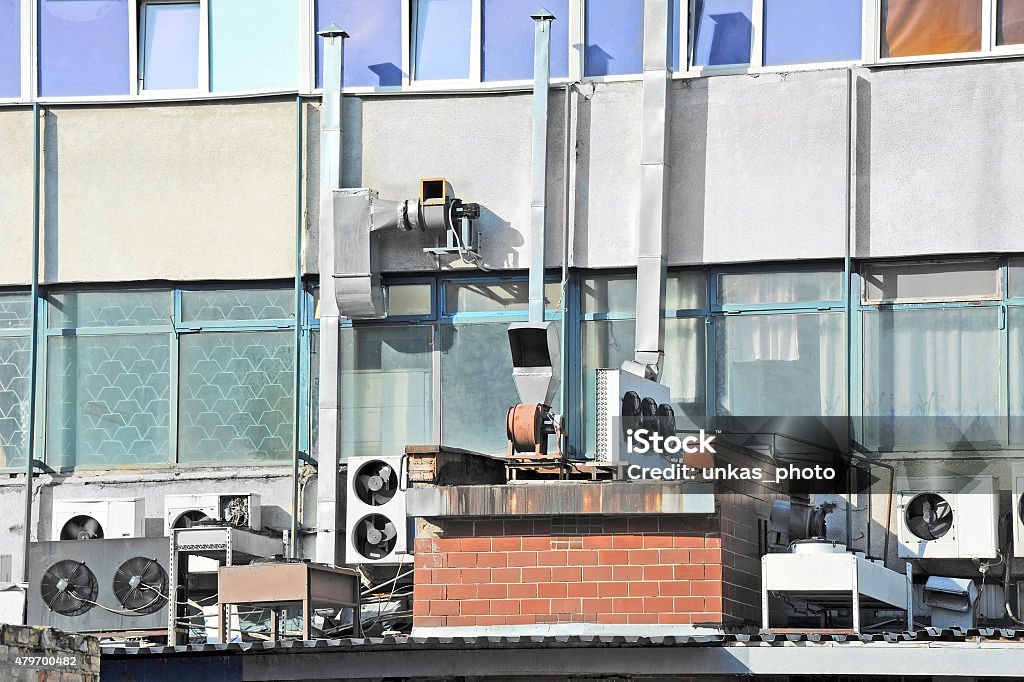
<point x="108" y="585"/>
<point x="95" y="519"/>
<point x="948" y="517"/>
<point x="377" y="527"/>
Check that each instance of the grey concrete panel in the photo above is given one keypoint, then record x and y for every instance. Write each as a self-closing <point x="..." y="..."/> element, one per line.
<point x="758" y="168"/>
<point x="15" y="195"/>
<point x="170" y="191"/>
<point x="940" y="159"/>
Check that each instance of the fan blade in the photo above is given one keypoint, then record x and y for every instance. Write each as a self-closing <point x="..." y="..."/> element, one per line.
<point x="94" y="529"/>
<point x="389" y="531"/>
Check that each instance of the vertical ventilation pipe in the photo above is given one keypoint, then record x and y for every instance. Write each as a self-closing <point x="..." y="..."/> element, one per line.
<point x="33" y="357"/>
<point x="297" y="366"/>
<point x="652" y="235"/>
<point x="330" y="316"/>
<point x="539" y="158"/>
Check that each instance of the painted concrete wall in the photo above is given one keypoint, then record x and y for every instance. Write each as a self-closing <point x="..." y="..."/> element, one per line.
<point x="272" y="484"/>
<point x="15" y="195"/>
<point x="169" y="191"/>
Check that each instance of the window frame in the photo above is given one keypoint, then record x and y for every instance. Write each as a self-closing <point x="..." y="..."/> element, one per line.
<point x="174" y="329"/>
<point x="26" y="333"/>
<point x="137" y="39"/>
<point x="989" y="49"/>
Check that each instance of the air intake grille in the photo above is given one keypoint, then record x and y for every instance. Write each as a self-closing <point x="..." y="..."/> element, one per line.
<point x="605" y="403"/>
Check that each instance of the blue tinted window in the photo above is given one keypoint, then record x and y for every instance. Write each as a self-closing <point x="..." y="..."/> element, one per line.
<point x="10" y="48"/>
<point x="170" y="46"/>
<point x="83" y="47"/>
<point x="508" y="39"/>
<point x="723" y="30"/>
<point x="615" y="37"/>
<point x="803" y="31"/>
<point x="442" y="39"/>
<point x="373" y="51"/>
<point x="254" y="44"/>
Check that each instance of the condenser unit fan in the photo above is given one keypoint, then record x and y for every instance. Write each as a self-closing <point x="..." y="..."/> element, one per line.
<point x="376" y="483"/>
<point x="190" y="518"/>
<point x="631" y="410"/>
<point x="68" y="588"/>
<point x="82" y="528"/>
<point x="375" y="536"/>
<point x="929" y="516"/>
<point x="666" y="420"/>
<point x="140" y="585"/>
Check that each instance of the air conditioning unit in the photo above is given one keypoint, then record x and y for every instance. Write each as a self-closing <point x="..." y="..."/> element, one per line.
<point x="1017" y="509"/>
<point x="625" y="401"/>
<point x="376" y="524"/>
<point x="948" y="517"/>
<point x="99" y="519"/>
<point x="99" y="585"/>
<point x="241" y="510"/>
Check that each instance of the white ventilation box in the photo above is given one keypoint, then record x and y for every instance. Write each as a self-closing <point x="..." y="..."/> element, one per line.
<point x="948" y="517"/>
<point x="377" y="527"/>
<point x="99" y="518"/>
<point x="612" y="387"/>
<point x="241" y="510"/>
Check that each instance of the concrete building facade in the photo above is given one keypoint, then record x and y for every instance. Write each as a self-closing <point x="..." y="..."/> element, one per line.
<point x="845" y="236"/>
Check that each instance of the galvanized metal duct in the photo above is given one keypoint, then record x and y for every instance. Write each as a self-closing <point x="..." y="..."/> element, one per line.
<point x="539" y="159"/>
<point x="652" y="234"/>
<point x="330" y="317"/>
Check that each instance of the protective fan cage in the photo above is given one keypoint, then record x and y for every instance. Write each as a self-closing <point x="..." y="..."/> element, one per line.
<point x="375" y="536"/>
<point x="376" y="483"/>
<point x="190" y="518"/>
<point x="82" y="527"/>
<point x="140" y="585"/>
<point x="647" y="414"/>
<point x="929" y="516"/>
<point x="234" y="510"/>
<point x="69" y="588"/>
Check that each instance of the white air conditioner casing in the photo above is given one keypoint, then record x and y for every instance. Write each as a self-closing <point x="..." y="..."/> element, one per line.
<point x="118" y="517"/>
<point x="394" y="510"/>
<point x="612" y="385"/>
<point x="974" y="533"/>
<point x="211" y="505"/>
<point x="1017" y="509"/>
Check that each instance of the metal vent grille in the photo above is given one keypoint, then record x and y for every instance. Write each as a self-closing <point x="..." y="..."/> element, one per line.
<point x="604" y="406"/>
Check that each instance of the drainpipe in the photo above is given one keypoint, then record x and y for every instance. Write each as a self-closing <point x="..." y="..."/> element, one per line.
<point x="652" y="236"/>
<point x="567" y="152"/>
<point x="539" y="174"/>
<point x="330" y="316"/>
<point x="30" y="453"/>
<point x="296" y="368"/>
<point x="848" y="311"/>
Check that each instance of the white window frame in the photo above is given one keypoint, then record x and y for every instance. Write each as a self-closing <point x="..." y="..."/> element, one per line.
<point x="989" y="49"/>
<point x="136" y="40"/>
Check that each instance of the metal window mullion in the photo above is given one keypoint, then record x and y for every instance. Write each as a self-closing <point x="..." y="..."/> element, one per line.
<point x="988" y="25"/>
<point x="577" y="38"/>
<point x="136" y="41"/>
<point x="871" y="31"/>
<point x="757" y="35"/>
<point x="476" y="43"/>
<point x="29" y="14"/>
<point x="41" y="386"/>
<point x="204" y="46"/>
<point x="711" y="351"/>
<point x="1004" y="353"/>
<point x="307" y="45"/>
<point x="856" y="389"/>
<point x="174" y="398"/>
<point x="408" y="36"/>
<point x="435" y="383"/>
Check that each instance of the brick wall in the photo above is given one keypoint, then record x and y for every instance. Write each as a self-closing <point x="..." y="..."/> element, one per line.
<point x="543" y="570"/>
<point x="67" y="657"/>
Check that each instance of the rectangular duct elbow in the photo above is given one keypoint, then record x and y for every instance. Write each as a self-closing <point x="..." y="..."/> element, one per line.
<point x="356" y="271"/>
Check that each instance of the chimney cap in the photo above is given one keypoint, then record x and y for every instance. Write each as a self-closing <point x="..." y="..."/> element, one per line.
<point x="333" y="31"/>
<point x="542" y="14"/>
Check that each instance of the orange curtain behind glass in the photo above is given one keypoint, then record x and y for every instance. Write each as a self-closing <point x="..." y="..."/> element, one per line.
<point x="1010" y="23"/>
<point x="920" y="27"/>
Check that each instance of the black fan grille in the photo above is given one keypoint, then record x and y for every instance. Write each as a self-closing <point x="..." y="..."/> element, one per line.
<point x="376" y="483"/>
<point x="140" y="585"/>
<point x="375" y="536"/>
<point x="929" y="516"/>
<point x="82" y="527"/>
<point x="68" y="588"/>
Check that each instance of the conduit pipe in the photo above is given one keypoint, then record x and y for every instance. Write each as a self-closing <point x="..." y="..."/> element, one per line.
<point x="330" y="317"/>
<point x="652" y="232"/>
<point x="30" y="427"/>
<point x="297" y="364"/>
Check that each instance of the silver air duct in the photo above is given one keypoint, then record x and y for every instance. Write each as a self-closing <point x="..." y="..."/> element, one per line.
<point x="654" y="169"/>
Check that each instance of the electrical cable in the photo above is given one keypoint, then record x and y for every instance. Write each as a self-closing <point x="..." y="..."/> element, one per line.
<point x="129" y="612"/>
